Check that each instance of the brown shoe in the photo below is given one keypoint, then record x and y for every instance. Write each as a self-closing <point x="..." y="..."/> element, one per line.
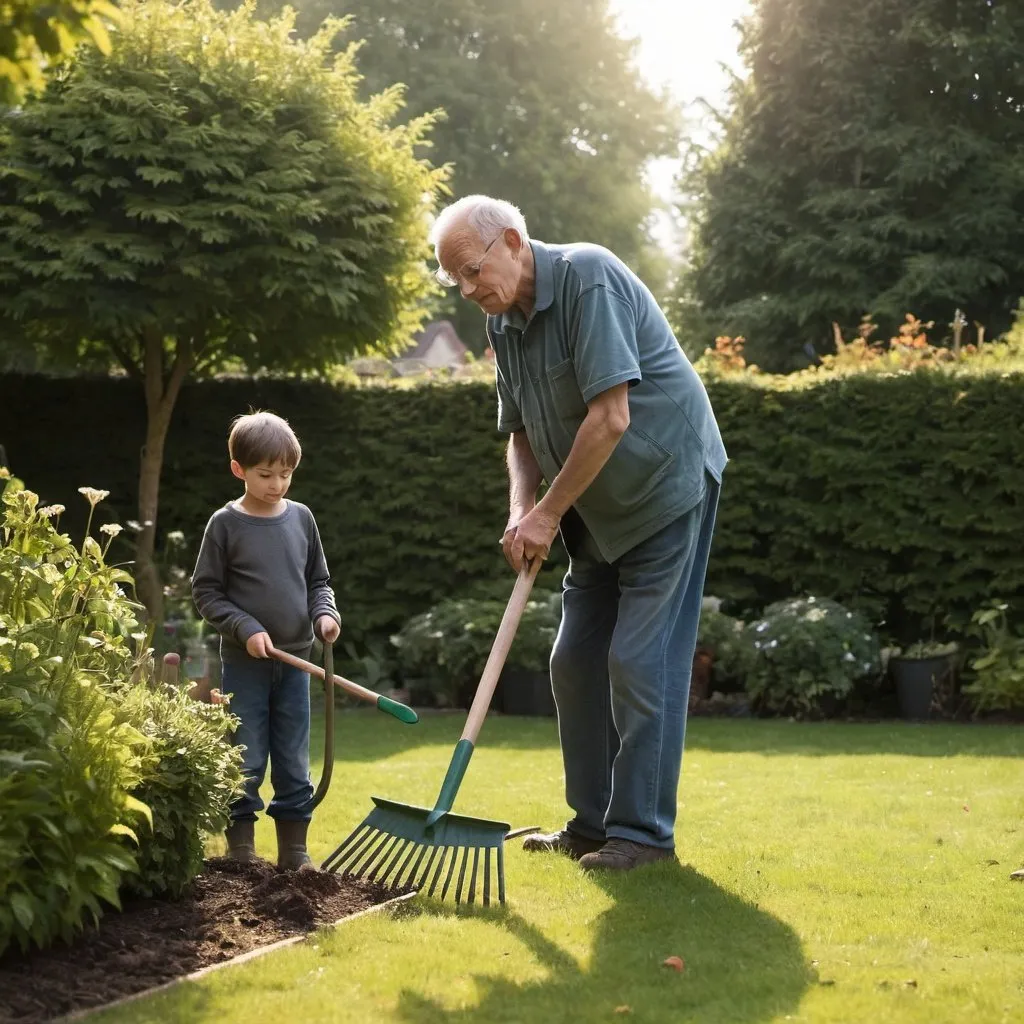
<point x="240" y="836"/>
<point x="624" y="855"/>
<point x="570" y="843"/>
<point x="291" y="846"/>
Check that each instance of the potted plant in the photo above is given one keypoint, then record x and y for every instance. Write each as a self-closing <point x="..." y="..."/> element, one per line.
<point x="917" y="670"/>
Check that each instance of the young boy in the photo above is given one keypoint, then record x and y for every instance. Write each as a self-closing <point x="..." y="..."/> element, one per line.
<point x="261" y="581"/>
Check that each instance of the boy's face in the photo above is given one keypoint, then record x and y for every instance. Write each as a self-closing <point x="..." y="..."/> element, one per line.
<point x="265" y="482"/>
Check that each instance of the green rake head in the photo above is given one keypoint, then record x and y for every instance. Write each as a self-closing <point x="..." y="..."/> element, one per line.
<point x="397" y="847"/>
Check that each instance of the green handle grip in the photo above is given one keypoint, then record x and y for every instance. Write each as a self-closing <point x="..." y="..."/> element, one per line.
<point x="400" y="711"/>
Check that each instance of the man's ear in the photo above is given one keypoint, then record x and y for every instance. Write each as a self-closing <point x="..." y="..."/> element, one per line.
<point x="237" y="470"/>
<point x="514" y="242"/>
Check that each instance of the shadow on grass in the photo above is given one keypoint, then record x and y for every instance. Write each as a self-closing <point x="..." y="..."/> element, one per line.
<point x="742" y="965"/>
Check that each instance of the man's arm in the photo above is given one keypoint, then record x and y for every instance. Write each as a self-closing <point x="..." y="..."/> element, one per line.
<point x="606" y="421"/>
<point x="524" y="476"/>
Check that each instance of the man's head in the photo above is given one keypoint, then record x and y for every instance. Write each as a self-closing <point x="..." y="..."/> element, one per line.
<point x="482" y="247"/>
<point x="264" y="452"/>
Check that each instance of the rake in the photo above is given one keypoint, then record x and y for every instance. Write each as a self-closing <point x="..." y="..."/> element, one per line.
<point x="401" y="846"/>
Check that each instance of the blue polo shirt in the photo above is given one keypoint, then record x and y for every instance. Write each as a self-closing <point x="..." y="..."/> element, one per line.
<point x="594" y="325"/>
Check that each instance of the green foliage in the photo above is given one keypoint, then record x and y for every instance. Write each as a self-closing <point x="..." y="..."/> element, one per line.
<point x="69" y="757"/>
<point x="868" y="164"/>
<point x="37" y="34"/>
<point x="898" y="495"/>
<point x="722" y="636"/>
<point x="444" y="649"/>
<point x="805" y="651"/>
<point x="999" y="664"/>
<point x="543" y="106"/>
<point x="191" y="775"/>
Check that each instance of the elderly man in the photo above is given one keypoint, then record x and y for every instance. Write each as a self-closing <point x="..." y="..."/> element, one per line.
<point x="599" y="402"/>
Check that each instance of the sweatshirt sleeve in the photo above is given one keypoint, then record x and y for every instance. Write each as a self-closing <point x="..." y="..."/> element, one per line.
<point x="209" y="585"/>
<point x="318" y="580"/>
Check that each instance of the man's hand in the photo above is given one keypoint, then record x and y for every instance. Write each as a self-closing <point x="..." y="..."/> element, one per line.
<point x="328" y="628"/>
<point x="529" y="537"/>
<point x="259" y="645"/>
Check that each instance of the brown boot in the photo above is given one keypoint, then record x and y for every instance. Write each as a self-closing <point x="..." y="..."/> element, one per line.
<point x="570" y="843"/>
<point x="241" y="837"/>
<point x="291" y="846"/>
<point x="624" y="855"/>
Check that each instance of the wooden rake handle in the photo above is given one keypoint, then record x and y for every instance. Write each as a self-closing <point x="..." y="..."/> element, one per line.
<point x="499" y="650"/>
<point x="385" y="704"/>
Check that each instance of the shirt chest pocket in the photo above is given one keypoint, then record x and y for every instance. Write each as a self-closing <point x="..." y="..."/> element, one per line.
<point x="566" y="397"/>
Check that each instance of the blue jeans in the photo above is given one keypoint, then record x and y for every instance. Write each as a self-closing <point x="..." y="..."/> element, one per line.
<point x="620" y="671"/>
<point x="272" y="702"/>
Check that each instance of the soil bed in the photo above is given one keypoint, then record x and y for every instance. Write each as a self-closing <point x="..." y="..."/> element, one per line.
<point x="230" y="909"/>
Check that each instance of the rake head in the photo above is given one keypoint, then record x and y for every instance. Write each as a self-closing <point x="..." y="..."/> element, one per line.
<point x="398" y="848"/>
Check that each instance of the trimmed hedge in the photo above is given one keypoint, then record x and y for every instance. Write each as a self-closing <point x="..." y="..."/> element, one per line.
<point x="901" y="496"/>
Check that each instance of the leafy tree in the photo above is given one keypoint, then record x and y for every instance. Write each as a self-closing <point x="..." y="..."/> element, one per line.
<point x="871" y="163"/>
<point x="38" y="33"/>
<point x="213" y="193"/>
<point x="543" y="107"/>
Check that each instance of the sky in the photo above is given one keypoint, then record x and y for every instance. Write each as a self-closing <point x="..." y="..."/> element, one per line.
<point x="683" y="44"/>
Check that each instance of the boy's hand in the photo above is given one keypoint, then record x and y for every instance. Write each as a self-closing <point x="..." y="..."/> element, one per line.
<point x="328" y="629"/>
<point x="259" y="645"/>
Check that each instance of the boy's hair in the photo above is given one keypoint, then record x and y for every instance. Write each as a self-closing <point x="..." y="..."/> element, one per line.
<point x="263" y="437"/>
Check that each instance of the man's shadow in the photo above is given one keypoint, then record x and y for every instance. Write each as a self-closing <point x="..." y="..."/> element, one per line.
<point x="742" y="964"/>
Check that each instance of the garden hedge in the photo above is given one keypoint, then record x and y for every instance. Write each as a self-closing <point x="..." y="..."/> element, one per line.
<point x="901" y="496"/>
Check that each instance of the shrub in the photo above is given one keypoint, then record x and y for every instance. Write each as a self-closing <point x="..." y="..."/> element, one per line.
<point x="721" y="635"/>
<point x="806" y="653"/>
<point x="68" y="756"/>
<point x="444" y="650"/>
<point x="999" y="665"/>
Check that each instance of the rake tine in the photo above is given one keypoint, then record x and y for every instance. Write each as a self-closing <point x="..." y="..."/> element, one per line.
<point x="501" y="874"/>
<point x="380" y="861"/>
<point x="487" y="877"/>
<point x="451" y="870"/>
<point x="426" y="871"/>
<point x="472" y="878"/>
<point x="401" y="871"/>
<point x="361" y="858"/>
<point x="334" y="858"/>
<point x="394" y="860"/>
<point x="437" y="874"/>
<point x="462" y="875"/>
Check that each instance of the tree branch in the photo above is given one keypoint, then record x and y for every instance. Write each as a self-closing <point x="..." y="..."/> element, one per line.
<point x="131" y="367"/>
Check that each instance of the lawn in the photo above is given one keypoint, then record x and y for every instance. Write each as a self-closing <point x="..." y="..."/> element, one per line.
<point x="827" y="873"/>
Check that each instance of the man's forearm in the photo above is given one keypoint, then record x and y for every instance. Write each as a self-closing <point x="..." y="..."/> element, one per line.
<point x="594" y="444"/>
<point x="524" y="475"/>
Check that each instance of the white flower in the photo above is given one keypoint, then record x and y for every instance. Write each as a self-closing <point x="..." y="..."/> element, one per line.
<point x="112" y="529"/>
<point x="762" y="626"/>
<point x="774" y="643"/>
<point x="51" y="510"/>
<point x="134" y="525"/>
<point x="176" y="537"/>
<point x="92" y="495"/>
<point x="848" y="656"/>
<point x="815" y="615"/>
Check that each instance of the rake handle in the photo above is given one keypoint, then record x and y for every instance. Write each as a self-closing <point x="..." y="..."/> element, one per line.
<point x="385" y="704"/>
<point x="499" y="650"/>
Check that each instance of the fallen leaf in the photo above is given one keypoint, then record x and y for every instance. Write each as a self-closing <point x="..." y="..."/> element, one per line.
<point x="827" y="982"/>
<point x="991" y="863"/>
<point x="967" y="809"/>
<point x="675" y="962"/>
<point x="911" y="983"/>
<point x="623" y="1009"/>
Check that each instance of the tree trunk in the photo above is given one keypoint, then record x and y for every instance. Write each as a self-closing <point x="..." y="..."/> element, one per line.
<point x="161" y="395"/>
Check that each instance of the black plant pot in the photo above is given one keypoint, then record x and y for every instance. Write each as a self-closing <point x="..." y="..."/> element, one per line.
<point x="916" y="679"/>
<point x="524" y="692"/>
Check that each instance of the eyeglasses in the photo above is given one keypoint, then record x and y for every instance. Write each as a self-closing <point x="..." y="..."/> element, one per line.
<point x="468" y="272"/>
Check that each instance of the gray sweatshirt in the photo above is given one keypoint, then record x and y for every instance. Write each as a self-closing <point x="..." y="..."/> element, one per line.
<point x="260" y="574"/>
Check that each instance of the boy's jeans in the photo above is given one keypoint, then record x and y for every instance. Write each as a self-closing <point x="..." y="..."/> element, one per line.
<point x="272" y="701"/>
<point x="620" y="671"/>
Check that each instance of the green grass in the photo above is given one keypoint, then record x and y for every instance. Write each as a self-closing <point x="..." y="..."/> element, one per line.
<point x="828" y="873"/>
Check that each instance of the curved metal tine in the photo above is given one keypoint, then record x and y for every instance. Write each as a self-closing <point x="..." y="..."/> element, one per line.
<point x="397" y="881"/>
<point x="372" y="842"/>
<point x="501" y="874"/>
<point x="462" y="875"/>
<point x="426" y="871"/>
<point x="437" y="873"/>
<point x="451" y="869"/>
<point x="487" y="877"/>
<point x="472" y="878"/>
<point x="383" y="879"/>
<point x="333" y="859"/>
<point x="379" y="862"/>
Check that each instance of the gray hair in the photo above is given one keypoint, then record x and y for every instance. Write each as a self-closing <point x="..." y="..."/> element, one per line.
<point x="487" y="216"/>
